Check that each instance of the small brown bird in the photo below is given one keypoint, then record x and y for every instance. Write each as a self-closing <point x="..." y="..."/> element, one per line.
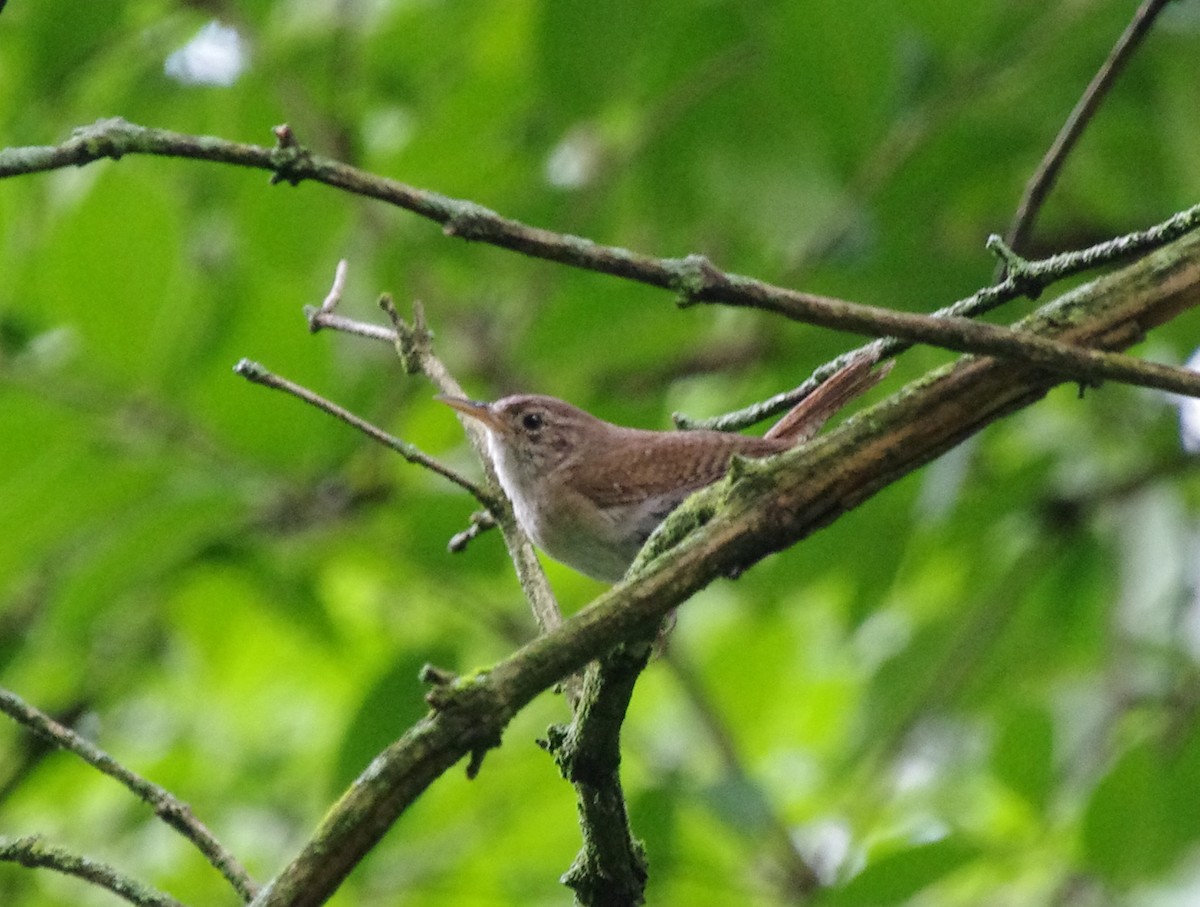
<point x="590" y="493"/>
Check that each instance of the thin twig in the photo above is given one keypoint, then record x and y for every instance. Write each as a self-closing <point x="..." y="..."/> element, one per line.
<point x="334" y="296"/>
<point x="259" y="374"/>
<point x="402" y="337"/>
<point x="481" y="521"/>
<point x="318" y="320"/>
<point x="414" y="346"/>
<point x="32" y="853"/>
<point x="177" y="814"/>
<point x="1044" y="177"/>
<point x="324" y="316"/>
<point x="708" y="284"/>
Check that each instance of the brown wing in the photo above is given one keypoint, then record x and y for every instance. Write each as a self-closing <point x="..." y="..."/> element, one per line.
<point x="647" y="464"/>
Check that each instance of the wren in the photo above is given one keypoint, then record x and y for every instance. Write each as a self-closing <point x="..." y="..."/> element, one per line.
<point x="589" y="493"/>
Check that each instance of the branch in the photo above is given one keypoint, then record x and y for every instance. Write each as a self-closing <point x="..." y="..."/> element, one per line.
<point x="1046" y="175"/>
<point x="694" y="278"/>
<point x="32" y="853"/>
<point x="950" y="332"/>
<point x="258" y="374"/>
<point x="324" y="316"/>
<point x="481" y="521"/>
<point x="414" y="346"/>
<point x="763" y="508"/>
<point x="289" y="162"/>
<point x="610" y="870"/>
<point x="177" y="814"/>
<point x="1034" y="274"/>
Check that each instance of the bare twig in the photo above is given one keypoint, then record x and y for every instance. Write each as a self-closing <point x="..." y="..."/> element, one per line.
<point x="414" y="346"/>
<point x="31" y="852"/>
<point x="1036" y="274"/>
<point x="481" y="521"/>
<point x="334" y="296"/>
<point x="171" y="810"/>
<point x="318" y="320"/>
<point x="324" y="316"/>
<point x="116" y="138"/>
<point x="406" y="340"/>
<point x="258" y="374"/>
<point x="950" y="332"/>
<point x="1044" y="177"/>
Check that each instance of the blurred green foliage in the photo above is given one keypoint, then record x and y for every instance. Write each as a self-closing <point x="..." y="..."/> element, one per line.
<point x="978" y="689"/>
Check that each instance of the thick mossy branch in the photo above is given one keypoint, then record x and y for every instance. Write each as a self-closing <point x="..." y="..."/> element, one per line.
<point x="610" y="870"/>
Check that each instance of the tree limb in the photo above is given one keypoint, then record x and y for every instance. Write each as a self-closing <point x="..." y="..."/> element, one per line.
<point x="610" y="870"/>
<point x="31" y="852"/>
<point x="256" y="373"/>
<point x="693" y="277"/>
<point x="961" y="334"/>
<point x="174" y="812"/>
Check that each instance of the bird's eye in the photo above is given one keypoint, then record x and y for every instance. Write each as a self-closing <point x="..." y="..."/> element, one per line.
<point x="532" y="421"/>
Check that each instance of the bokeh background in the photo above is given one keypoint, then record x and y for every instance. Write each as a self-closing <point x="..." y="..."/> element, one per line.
<point x="980" y="688"/>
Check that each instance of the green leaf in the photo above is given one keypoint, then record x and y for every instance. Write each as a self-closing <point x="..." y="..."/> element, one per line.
<point x="1127" y="827"/>
<point x="1023" y="757"/>
<point x="898" y="876"/>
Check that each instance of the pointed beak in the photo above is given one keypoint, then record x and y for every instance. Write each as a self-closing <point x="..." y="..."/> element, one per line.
<point x="473" y="409"/>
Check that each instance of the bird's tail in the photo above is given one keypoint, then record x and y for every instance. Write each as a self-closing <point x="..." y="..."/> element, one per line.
<point x="853" y="380"/>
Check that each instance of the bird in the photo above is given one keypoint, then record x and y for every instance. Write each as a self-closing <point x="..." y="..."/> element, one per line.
<point x="589" y="492"/>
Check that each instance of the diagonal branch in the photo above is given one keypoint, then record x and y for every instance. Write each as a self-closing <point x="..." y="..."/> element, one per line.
<point x="766" y="507"/>
<point x="1044" y="178"/>
<point x="954" y="333"/>
<point x="174" y="812"/>
<point x="256" y="373"/>
<point x="1020" y="272"/>
<point x="414" y="345"/>
<point x="31" y="852"/>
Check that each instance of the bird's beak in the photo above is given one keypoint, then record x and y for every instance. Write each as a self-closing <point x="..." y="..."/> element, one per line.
<point x="473" y="409"/>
